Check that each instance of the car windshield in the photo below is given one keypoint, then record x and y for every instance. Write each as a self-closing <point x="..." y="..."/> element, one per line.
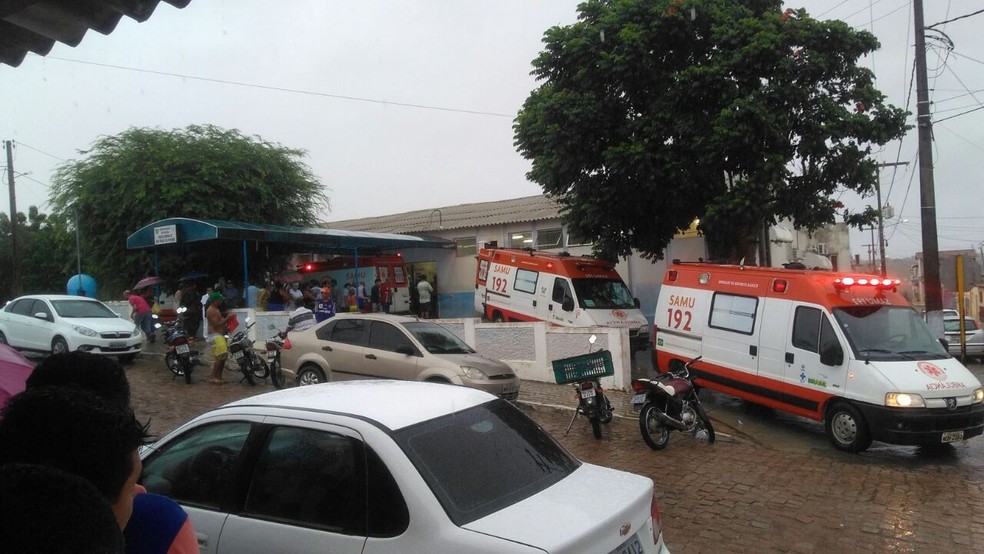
<point x="607" y="294"/>
<point x="953" y="325"/>
<point x="888" y="333"/>
<point x="437" y="339"/>
<point x="73" y="309"/>
<point x="483" y="459"/>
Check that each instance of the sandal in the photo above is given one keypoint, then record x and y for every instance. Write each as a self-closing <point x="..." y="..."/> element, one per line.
<point x="215" y="381"/>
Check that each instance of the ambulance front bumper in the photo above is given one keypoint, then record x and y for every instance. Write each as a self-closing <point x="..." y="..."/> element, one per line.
<point x="923" y="426"/>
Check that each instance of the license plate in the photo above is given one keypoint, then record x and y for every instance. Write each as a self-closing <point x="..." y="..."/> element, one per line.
<point x="952" y="436"/>
<point x="587" y="393"/>
<point x="639" y="399"/>
<point x="117" y="345"/>
<point x="237" y="355"/>
<point x="182" y="348"/>
<point x="631" y="546"/>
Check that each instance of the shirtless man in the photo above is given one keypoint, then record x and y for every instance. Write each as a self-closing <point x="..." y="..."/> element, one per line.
<point x="216" y="335"/>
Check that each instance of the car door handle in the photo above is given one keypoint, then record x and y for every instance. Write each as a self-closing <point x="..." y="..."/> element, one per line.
<point x="371" y="356"/>
<point x="202" y="540"/>
<point x="789" y="357"/>
<point x="326" y="348"/>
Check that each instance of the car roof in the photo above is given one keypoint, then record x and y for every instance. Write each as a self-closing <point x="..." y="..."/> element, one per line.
<point x="392" y="404"/>
<point x="384" y="317"/>
<point x="57" y="297"/>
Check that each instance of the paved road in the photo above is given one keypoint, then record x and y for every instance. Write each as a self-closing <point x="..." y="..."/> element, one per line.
<point x="741" y="494"/>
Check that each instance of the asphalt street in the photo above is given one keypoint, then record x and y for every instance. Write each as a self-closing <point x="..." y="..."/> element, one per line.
<point x="770" y="483"/>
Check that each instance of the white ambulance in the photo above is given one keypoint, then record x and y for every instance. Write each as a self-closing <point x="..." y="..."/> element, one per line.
<point x="844" y="349"/>
<point x="570" y="291"/>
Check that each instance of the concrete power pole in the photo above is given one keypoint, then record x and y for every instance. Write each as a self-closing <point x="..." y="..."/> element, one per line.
<point x="15" y="257"/>
<point x="924" y="124"/>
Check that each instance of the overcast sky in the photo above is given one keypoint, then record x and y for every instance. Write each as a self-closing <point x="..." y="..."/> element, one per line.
<point x="409" y="105"/>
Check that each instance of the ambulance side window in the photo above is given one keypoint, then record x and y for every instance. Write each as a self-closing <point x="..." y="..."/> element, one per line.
<point x="525" y="280"/>
<point x="561" y="290"/>
<point x="806" y="328"/>
<point x="733" y="313"/>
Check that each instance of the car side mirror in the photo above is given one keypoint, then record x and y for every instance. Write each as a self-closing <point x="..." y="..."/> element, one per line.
<point x="568" y="304"/>
<point x="42" y="315"/>
<point x="405" y="349"/>
<point x="945" y="343"/>
<point x="832" y="354"/>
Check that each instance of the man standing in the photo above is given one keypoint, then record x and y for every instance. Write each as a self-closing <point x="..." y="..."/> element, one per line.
<point x="216" y="335"/>
<point x="424" y="291"/>
<point x="374" y="297"/>
<point x="141" y="314"/>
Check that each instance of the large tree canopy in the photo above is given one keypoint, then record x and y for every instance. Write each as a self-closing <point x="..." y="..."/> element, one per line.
<point x="653" y="113"/>
<point x="127" y="181"/>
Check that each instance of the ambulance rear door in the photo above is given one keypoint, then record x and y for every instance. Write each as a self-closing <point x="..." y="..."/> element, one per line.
<point x="731" y="338"/>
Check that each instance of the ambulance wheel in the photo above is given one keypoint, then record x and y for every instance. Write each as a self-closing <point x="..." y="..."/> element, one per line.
<point x="846" y="428"/>
<point x="497" y="318"/>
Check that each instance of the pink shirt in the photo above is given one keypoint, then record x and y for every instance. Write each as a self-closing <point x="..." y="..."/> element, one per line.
<point x="140" y="305"/>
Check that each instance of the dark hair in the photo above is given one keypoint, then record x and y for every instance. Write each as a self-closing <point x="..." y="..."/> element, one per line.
<point x="75" y="430"/>
<point x="102" y="375"/>
<point x="44" y="509"/>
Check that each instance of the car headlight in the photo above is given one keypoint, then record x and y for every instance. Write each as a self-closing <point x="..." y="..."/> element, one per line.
<point x="978" y="396"/>
<point x="474" y="373"/>
<point x="904" y="400"/>
<point x="85" y="331"/>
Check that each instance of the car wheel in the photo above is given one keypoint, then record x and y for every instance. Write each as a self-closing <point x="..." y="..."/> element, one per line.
<point x="497" y="318"/>
<point x="59" y="346"/>
<point x="310" y="374"/>
<point x="846" y="428"/>
<point x="3" y="338"/>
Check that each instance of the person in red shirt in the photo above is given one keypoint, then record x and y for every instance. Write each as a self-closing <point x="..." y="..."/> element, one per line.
<point x="141" y="314"/>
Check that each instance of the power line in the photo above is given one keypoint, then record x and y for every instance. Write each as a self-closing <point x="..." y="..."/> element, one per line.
<point x="284" y="89"/>
<point x="958" y="115"/>
<point x="39" y="151"/>
<point x="978" y="12"/>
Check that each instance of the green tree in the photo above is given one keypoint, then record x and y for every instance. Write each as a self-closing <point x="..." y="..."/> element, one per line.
<point x="47" y="253"/>
<point x="127" y="181"/>
<point x="650" y="114"/>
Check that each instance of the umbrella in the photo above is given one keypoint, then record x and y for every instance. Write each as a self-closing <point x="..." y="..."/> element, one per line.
<point x="192" y="275"/>
<point x="14" y="371"/>
<point x="147" y="282"/>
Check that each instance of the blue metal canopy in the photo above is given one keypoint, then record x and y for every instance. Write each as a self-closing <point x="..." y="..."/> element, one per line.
<point x="180" y="230"/>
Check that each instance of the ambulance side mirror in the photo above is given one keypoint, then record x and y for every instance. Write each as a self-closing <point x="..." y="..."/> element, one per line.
<point x="945" y="343"/>
<point x="832" y="354"/>
<point x="637" y="303"/>
<point x="568" y="304"/>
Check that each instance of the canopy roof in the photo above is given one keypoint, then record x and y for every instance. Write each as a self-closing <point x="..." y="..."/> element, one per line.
<point x="180" y="230"/>
<point x="35" y="25"/>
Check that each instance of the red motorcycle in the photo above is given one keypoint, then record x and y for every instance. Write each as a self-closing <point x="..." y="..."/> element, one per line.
<point x="670" y="403"/>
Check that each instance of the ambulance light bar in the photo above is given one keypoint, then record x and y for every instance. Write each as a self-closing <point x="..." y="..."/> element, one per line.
<point x="844" y="282"/>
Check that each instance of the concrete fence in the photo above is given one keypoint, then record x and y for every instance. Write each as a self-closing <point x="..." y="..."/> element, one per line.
<point x="529" y="348"/>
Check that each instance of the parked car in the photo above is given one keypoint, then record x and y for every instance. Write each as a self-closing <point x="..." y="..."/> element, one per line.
<point x="393" y="467"/>
<point x="62" y="323"/>
<point x="973" y="334"/>
<point x="366" y="346"/>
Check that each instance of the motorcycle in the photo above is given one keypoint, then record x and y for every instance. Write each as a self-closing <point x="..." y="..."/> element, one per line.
<point x="179" y="358"/>
<point x="584" y="371"/>
<point x="670" y="403"/>
<point x="251" y="365"/>
<point x="274" y="346"/>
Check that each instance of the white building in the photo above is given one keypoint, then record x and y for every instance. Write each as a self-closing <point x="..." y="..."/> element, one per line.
<point x="535" y="221"/>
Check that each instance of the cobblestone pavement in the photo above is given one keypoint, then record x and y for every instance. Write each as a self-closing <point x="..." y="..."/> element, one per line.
<point x="736" y="495"/>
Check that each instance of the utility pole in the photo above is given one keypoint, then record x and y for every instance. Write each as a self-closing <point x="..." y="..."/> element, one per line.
<point x="930" y="245"/>
<point x="15" y="257"/>
<point x="881" y="220"/>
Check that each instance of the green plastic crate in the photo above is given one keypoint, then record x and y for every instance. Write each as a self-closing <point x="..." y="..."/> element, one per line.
<point x="583" y="367"/>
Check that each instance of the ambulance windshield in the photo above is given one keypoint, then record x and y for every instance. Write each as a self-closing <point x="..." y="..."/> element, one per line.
<point x="603" y="294"/>
<point x="888" y="333"/>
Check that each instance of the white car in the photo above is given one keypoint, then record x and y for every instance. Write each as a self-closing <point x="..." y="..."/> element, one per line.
<point x="62" y="323"/>
<point x="386" y="467"/>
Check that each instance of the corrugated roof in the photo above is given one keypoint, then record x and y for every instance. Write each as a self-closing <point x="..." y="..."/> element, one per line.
<point x="462" y="216"/>
<point x="35" y="25"/>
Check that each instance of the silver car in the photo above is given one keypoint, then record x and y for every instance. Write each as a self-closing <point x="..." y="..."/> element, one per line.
<point x="371" y="346"/>
<point x="61" y="323"/>
<point x="973" y="335"/>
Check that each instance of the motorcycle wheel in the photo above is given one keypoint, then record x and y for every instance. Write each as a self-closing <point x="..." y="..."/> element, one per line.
<point x="173" y="364"/>
<point x="186" y="368"/>
<point x="261" y="370"/>
<point x="247" y="369"/>
<point x="596" y="426"/>
<point x="654" y="433"/>
<point x="277" y="375"/>
<point x="607" y="413"/>
<point x="703" y="426"/>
